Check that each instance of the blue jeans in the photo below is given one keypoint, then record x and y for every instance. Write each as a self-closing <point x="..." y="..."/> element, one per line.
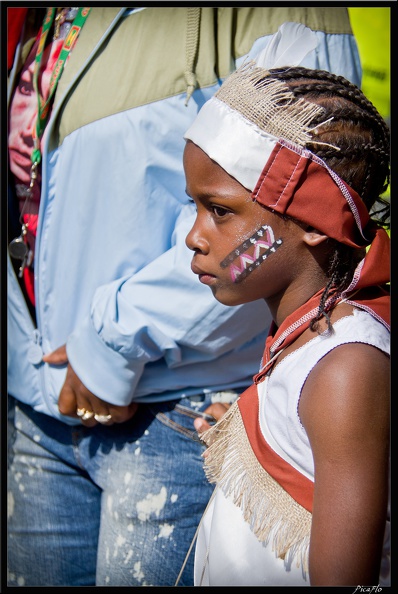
<point x="106" y="506"/>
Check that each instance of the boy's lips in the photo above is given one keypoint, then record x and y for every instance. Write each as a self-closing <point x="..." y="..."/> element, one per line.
<point x="204" y="277"/>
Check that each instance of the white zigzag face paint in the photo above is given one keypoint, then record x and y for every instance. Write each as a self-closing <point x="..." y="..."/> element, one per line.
<point x="264" y="244"/>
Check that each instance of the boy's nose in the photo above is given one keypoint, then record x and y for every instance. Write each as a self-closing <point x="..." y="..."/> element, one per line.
<point x="195" y="240"/>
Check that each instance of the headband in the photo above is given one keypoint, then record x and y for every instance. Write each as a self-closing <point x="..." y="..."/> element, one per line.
<point x="256" y="130"/>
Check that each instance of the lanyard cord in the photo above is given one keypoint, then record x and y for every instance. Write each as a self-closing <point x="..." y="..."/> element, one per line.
<point x="43" y="110"/>
<point x="18" y="247"/>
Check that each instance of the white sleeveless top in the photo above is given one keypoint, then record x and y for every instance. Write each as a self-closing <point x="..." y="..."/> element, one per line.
<point x="227" y="551"/>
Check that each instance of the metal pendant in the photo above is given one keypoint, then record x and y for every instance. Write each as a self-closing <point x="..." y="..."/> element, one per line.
<point x="18" y="248"/>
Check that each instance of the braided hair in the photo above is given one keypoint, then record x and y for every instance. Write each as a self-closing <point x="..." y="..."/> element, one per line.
<point x="351" y="123"/>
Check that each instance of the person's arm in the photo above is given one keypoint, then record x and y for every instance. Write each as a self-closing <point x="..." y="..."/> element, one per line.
<point x="345" y="410"/>
<point x="161" y="312"/>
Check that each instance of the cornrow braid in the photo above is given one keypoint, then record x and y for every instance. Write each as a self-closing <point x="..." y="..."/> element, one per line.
<point x="354" y="141"/>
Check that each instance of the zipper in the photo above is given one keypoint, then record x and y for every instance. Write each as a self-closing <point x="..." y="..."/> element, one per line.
<point x="35" y="352"/>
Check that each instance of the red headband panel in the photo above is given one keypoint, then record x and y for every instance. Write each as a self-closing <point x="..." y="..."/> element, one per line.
<point x="376" y="266"/>
<point x="294" y="184"/>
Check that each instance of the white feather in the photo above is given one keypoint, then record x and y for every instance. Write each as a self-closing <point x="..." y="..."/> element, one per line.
<point x="287" y="47"/>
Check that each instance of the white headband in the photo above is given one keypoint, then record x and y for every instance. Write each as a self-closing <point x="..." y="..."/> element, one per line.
<point x="237" y="144"/>
<point x="233" y="142"/>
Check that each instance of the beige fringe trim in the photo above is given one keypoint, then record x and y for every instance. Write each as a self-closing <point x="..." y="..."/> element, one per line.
<point x="266" y="506"/>
<point x="269" y="104"/>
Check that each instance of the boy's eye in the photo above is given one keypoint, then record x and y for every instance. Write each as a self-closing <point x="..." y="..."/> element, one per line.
<point x="219" y="211"/>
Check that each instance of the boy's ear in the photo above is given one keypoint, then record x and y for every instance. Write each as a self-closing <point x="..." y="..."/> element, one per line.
<point x="312" y="237"/>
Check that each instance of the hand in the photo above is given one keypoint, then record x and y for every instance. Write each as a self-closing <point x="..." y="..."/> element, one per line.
<point x="74" y="396"/>
<point x="216" y="410"/>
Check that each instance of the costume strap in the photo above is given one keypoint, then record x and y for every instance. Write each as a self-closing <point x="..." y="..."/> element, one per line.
<point x="369" y="290"/>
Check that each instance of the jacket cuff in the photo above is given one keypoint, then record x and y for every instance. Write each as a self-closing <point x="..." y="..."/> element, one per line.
<point x="104" y="371"/>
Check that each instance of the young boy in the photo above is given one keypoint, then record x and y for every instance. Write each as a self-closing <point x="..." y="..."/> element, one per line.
<point x="287" y="169"/>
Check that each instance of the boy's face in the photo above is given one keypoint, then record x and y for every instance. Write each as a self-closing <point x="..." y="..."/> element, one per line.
<point x="239" y="246"/>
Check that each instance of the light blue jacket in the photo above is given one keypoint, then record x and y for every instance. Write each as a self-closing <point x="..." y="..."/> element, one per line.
<point x="112" y="272"/>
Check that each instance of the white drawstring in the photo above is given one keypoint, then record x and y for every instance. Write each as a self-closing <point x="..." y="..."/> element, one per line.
<point x="194" y="539"/>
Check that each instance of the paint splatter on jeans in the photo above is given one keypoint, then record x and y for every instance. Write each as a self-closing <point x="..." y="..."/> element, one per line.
<point x="106" y="506"/>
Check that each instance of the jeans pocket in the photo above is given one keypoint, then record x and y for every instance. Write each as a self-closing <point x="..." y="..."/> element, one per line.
<point x="180" y="417"/>
<point x="180" y="414"/>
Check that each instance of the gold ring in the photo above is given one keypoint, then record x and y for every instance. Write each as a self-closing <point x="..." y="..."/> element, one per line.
<point x="84" y="414"/>
<point x="104" y="419"/>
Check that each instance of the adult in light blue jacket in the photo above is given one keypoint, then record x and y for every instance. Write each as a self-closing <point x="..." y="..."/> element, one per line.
<point x="107" y="318"/>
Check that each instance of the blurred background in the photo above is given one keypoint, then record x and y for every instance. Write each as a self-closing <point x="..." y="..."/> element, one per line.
<point x="371" y="27"/>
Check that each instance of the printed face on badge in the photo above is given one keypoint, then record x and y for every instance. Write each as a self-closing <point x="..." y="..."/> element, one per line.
<point x="234" y="238"/>
<point x="23" y="109"/>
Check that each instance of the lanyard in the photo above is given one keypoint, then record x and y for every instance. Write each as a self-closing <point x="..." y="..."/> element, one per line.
<point x="69" y="41"/>
<point x="18" y="247"/>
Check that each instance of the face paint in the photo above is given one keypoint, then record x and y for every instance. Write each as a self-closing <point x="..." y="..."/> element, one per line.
<point x="264" y="244"/>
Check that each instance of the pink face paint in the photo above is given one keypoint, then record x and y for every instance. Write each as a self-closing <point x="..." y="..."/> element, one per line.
<point x="264" y="244"/>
